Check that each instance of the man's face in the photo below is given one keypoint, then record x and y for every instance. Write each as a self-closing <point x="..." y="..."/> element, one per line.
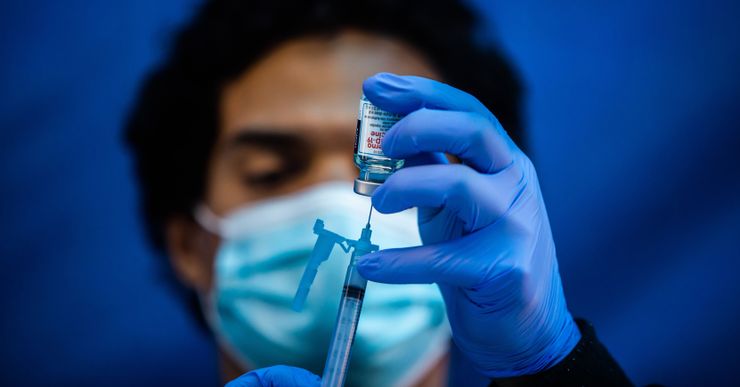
<point x="286" y="123"/>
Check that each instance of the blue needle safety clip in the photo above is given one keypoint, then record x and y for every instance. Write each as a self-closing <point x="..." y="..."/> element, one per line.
<point x="321" y="251"/>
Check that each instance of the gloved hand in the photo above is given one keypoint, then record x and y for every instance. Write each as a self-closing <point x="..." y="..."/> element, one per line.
<point x="486" y="237"/>
<point x="276" y="376"/>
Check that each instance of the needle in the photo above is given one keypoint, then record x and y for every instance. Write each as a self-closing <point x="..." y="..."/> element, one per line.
<point x="369" y="215"/>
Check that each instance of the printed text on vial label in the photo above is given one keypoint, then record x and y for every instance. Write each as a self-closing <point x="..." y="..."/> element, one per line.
<point x="375" y="123"/>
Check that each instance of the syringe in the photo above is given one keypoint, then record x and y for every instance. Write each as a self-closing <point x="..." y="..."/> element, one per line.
<point x="350" y="306"/>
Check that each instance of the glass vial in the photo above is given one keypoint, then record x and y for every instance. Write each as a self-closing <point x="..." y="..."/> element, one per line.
<point x="375" y="167"/>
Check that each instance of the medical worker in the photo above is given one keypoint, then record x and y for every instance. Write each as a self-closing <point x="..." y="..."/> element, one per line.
<point x="243" y="136"/>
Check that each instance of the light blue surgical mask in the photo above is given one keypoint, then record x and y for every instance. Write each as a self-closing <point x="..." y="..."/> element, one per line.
<point x="402" y="332"/>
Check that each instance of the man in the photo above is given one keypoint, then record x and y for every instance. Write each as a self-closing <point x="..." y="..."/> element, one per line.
<point x="242" y="138"/>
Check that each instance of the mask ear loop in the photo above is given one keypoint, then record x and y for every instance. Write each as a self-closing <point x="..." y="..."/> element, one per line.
<point x="208" y="219"/>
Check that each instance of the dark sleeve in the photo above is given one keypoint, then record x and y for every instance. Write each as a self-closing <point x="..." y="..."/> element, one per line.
<point x="589" y="364"/>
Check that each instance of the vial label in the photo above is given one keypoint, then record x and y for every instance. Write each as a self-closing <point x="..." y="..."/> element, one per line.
<point x="372" y="124"/>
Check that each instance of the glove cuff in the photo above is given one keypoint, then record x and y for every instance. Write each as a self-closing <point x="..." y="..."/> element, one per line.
<point x="588" y="364"/>
<point x="545" y="352"/>
<point x="567" y="339"/>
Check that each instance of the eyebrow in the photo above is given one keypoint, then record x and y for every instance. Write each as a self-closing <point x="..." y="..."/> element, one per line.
<point x="264" y="136"/>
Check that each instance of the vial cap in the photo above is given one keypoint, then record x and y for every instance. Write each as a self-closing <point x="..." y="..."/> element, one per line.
<point x="365" y="188"/>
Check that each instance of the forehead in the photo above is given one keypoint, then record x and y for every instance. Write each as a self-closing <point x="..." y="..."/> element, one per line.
<point x="313" y="82"/>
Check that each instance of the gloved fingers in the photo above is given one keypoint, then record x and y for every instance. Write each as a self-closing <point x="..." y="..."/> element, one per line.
<point x="432" y="186"/>
<point x="476" y="200"/>
<point x="405" y="93"/>
<point x="436" y="263"/>
<point x="477" y="140"/>
<point x="425" y="158"/>
<point x="276" y="376"/>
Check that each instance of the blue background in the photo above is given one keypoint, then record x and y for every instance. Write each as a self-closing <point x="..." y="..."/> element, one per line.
<point x="632" y="112"/>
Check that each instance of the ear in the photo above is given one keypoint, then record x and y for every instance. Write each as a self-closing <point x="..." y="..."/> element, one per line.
<point x="192" y="251"/>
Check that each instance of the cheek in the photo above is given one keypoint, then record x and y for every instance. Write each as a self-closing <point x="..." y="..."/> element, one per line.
<point x="330" y="165"/>
<point x="208" y="261"/>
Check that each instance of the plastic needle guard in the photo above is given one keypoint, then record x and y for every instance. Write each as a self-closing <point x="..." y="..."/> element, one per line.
<point x="321" y="251"/>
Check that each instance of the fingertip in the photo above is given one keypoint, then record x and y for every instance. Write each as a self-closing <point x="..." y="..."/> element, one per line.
<point x="387" y="145"/>
<point x="371" y="84"/>
<point x="284" y="375"/>
<point x="378" y="266"/>
<point x="380" y="198"/>
<point x="248" y="379"/>
<point x="395" y="266"/>
<point x="316" y="378"/>
<point x="367" y="265"/>
<point x="387" y="91"/>
<point x="307" y="378"/>
<point x="391" y="79"/>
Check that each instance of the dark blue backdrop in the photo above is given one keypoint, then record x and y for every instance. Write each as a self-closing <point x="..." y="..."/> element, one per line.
<point x="631" y="108"/>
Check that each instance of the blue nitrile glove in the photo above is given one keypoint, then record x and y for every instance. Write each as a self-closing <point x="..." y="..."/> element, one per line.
<point x="276" y="376"/>
<point x="487" y="239"/>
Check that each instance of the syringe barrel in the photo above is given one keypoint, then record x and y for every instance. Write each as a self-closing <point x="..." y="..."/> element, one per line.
<point x="340" y="349"/>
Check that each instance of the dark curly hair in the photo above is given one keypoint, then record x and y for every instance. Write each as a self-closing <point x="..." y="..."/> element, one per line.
<point x="175" y="121"/>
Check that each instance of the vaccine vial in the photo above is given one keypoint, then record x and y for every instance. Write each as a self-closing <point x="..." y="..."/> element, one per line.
<point x="375" y="167"/>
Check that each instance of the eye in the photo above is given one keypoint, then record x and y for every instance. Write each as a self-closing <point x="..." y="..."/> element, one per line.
<point x="261" y="168"/>
<point x="266" y="179"/>
<point x="265" y="168"/>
